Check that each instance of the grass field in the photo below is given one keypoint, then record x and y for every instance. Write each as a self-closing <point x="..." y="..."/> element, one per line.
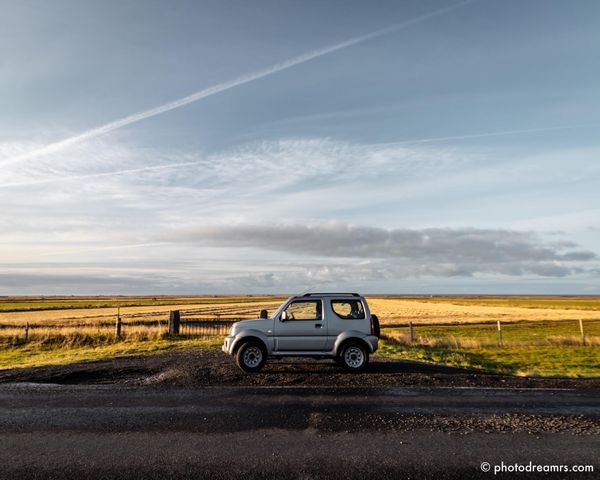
<point x="553" y="361"/>
<point x="28" y="304"/>
<point x="63" y="351"/>
<point x="541" y="348"/>
<point x="557" y="302"/>
<point x="540" y="334"/>
<point x="515" y="334"/>
<point x="477" y="309"/>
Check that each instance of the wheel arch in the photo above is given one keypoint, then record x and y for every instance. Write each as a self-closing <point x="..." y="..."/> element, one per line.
<point x="342" y="341"/>
<point x="248" y="337"/>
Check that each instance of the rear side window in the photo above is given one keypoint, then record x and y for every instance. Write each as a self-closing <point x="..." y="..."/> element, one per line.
<point x="348" y="309"/>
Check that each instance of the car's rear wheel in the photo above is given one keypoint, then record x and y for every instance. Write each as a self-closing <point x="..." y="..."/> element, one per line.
<point x="354" y="357"/>
<point x="251" y="356"/>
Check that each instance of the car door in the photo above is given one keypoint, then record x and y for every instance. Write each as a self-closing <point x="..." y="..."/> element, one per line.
<point x="300" y="326"/>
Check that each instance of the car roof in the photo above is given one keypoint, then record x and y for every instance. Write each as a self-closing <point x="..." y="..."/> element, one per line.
<point x="327" y="294"/>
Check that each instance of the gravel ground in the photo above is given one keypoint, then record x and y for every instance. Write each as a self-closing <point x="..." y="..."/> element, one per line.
<point x="50" y="431"/>
<point x="195" y="415"/>
<point x="204" y="367"/>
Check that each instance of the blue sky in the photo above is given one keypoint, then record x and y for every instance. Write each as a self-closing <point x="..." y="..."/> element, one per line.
<point x="455" y="151"/>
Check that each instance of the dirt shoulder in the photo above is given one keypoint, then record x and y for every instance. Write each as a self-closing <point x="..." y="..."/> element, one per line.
<point x="206" y="367"/>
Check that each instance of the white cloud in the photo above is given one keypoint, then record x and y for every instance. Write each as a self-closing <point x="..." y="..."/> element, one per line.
<point x="81" y="190"/>
<point x="282" y="162"/>
<point x="266" y="204"/>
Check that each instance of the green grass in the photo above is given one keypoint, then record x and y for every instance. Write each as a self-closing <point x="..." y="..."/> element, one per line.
<point x="540" y="360"/>
<point x="29" y="355"/>
<point x="540" y="348"/>
<point x="512" y="332"/>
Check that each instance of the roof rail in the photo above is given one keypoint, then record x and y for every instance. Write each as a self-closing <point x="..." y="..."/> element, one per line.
<point x="330" y="294"/>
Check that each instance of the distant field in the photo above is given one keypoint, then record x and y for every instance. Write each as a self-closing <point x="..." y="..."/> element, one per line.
<point x="560" y="302"/>
<point x="95" y="310"/>
<point x="16" y="310"/>
<point x="483" y="309"/>
<point x="541" y="334"/>
<point x="22" y="304"/>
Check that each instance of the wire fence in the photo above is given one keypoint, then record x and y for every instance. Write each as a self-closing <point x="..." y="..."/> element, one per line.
<point x="451" y="335"/>
<point x="498" y="333"/>
<point x="217" y="327"/>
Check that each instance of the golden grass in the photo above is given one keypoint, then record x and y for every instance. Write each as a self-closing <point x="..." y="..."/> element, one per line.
<point x="390" y="310"/>
<point x="423" y="311"/>
<point x="93" y="316"/>
<point x="150" y="319"/>
<point x="73" y="336"/>
<point x="22" y="304"/>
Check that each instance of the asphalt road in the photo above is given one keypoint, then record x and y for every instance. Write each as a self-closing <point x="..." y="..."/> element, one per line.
<point x="52" y="431"/>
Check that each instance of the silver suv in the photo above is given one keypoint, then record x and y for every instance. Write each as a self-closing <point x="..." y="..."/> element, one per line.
<point x="320" y="325"/>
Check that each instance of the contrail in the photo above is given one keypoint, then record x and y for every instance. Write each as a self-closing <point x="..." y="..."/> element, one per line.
<point x="490" y="134"/>
<point x="207" y="92"/>
<point x="199" y="162"/>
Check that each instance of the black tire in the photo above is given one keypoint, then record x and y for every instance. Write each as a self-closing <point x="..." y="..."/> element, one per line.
<point x="353" y="356"/>
<point x="251" y="356"/>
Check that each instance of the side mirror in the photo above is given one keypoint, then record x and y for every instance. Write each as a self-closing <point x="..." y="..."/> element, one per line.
<point x="283" y="317"/>
<point x="264" y="314"/>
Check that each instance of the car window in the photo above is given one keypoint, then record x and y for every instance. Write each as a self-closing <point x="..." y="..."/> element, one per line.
<point x="304" y="310"/>
<point x="348" y="309"/>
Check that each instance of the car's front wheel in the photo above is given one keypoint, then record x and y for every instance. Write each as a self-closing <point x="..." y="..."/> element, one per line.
<point x="354" y="357"/>
<point x="251" y="356"/>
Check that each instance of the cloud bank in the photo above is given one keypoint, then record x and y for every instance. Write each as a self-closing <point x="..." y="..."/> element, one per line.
<point x="405" y="252"/>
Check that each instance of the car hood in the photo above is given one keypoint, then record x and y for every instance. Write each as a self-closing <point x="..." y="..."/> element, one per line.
<point x="262" y="324"/>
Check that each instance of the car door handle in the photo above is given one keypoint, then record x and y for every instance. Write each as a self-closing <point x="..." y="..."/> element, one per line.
<point x="318" y="325"/>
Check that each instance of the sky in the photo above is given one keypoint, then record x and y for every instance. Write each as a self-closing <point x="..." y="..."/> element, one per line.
<point x="217" y="147"/>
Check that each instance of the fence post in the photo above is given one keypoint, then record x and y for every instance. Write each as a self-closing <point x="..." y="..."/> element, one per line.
<point x="118" y="324"/>
<point x="500" y="340"/>
<point x="411" y="333"/>
<point x="581" y="331"/>
<point x="174" y="322"/>
<point x="27" y="331"/>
